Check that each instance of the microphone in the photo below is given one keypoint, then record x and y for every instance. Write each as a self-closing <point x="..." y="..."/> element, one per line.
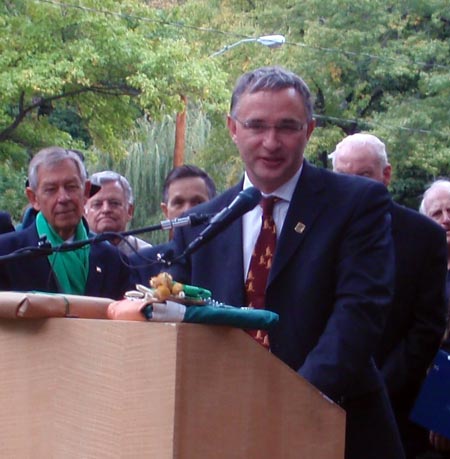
<point x="189" y="220"/>
<point x="246" y="200"/>
<point x="44" y="247"/>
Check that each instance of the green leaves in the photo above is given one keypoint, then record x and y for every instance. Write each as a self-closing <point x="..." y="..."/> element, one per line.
<point x="106" y="60"/>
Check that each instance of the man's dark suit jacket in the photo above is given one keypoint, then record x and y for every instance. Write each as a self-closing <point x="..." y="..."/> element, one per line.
<point x="144" y="264"/>
<point x="417" y="319"/>
<point x="6" y="225"/>
<point x="331" y="284"/>
<point x="108" y="276"/>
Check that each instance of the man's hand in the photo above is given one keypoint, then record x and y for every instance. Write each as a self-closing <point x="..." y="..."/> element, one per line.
<point x="126" y="310"/>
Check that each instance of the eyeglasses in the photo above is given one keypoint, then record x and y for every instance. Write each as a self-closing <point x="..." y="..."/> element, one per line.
<point x="287" y="127"/>
<point x="98" y="204"/>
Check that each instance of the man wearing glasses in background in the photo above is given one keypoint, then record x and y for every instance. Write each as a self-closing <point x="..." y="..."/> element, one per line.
<point x="111" y="208"/>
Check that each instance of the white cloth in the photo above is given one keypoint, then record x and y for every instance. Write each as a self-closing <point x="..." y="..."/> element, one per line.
<point x="170" y="311"/>
<point x="136" y="244"/>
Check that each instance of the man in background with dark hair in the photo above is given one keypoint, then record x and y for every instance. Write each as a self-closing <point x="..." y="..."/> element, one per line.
<point x="184" y="187"/>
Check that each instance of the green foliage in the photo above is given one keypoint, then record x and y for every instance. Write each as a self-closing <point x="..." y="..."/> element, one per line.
<point x="219" y="156"/>
<point x="81" y="76"/>
<point x="372" y="66"/>
<point x="105" y="61"/>
<point x="12" y="190"/>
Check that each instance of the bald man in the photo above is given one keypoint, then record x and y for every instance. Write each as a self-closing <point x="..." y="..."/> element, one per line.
<point x="416" y="323"/>
<point x="436" y="205"/>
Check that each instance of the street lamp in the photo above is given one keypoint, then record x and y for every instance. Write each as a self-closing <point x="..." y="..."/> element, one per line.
<point x="272" y="41"/>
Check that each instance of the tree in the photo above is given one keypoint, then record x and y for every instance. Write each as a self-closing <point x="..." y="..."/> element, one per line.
<point x="105" y="62"/>
<point x="149" y="159"/>
<point x="373" y="66"/>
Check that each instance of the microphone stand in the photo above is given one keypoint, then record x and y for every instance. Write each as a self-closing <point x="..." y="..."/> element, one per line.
<point x="45" y="248"/>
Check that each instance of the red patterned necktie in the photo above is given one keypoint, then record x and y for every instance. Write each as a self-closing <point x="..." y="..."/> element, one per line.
<point x="260" y="264"/>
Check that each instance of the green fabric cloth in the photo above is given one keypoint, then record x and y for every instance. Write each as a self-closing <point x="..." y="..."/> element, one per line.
<point x="72" y="267"/>
<point x="232" y="316"/>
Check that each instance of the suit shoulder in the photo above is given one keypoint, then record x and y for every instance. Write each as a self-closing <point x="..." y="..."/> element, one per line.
<point x="348" y="179"/>
<point x="106" y="249"/>
<point x="149" y="252"/>
<point x="349" y="186"/>
<point x="420" y="223"/>
<point x="18" y="239"/>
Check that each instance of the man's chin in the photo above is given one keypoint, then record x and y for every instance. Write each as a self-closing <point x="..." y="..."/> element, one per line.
<point x="106" y="228"/>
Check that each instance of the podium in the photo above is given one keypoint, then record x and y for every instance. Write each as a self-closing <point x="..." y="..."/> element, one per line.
<point x="81" y="388"/>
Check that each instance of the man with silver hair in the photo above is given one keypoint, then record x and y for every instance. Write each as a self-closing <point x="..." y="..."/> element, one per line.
<point x="111" y="208"/>
<point x="416" y="322"/>
<point x="57" y="191"/>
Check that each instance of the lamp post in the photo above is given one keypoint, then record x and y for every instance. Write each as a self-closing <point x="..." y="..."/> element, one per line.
<point x="271" y="41"/>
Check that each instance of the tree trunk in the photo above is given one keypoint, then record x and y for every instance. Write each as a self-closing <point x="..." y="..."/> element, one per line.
<point x="180" y="135"/>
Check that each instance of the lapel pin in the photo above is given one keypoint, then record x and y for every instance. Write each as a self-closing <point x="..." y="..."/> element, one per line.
<point x="98" y="269"/>
<point x="299" y="227"/>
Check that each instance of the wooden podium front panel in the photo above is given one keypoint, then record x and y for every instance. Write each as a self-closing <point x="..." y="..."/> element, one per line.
<point x="246" y="403"/>
<point x="74" y="388"/>
<point x="94" y="389"/>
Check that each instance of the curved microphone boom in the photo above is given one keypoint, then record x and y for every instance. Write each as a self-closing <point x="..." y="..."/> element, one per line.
<point x="44" y="248"/>
<point x="246" y="200"/>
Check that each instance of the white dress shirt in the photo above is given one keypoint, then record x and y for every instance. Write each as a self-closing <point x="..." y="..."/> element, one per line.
<point x="251" y="221"/>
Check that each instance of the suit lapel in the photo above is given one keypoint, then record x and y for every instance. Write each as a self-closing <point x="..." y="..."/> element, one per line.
<point x="307" y="203"/>
<point x="43" y="274"/>
<point x="96" y="277"/>
<point x="229" y="243"/>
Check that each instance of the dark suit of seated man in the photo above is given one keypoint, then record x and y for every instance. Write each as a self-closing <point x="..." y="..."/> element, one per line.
<point x="416" y="323"/>
<point x="57" y="191"/>
<point x="331" y="276"/>
<point x="5" y="223"/>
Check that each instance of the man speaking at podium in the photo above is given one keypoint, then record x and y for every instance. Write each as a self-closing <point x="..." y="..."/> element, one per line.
<point x="57" y="191"/>
<point x="327" y="258"/>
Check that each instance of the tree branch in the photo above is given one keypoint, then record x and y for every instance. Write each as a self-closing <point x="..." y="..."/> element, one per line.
<point x="113" y="90"/>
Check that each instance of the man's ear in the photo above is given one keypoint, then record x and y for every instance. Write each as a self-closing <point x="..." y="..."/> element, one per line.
<point x="387" y="174"/>
<point x="164" y="209"/>
<point x="130" y="211"/>
<point x="31" y="195"/>
<point x="231" y="124"/>
<point x="87" y="189"/>
<point x="310" y="128"/>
